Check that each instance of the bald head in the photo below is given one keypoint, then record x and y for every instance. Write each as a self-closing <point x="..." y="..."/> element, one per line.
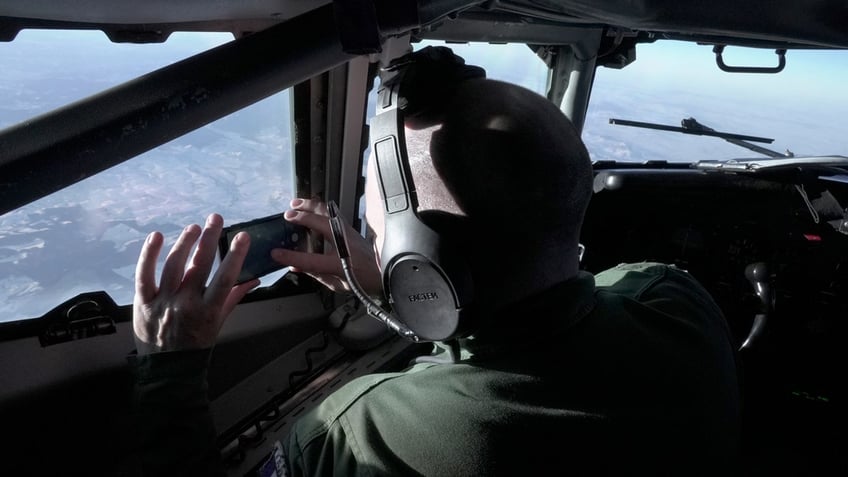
<point x="506" y="157"/>
<point x="506" y="179"/>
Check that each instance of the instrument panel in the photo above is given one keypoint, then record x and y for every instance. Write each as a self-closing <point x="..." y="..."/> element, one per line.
<point x="760" y="245"/>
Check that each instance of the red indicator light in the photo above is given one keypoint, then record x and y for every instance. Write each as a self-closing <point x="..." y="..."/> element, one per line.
<point x="812" y="237"/>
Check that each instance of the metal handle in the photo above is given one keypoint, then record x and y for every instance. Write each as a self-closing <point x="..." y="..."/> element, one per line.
<point x="781" y="63"/>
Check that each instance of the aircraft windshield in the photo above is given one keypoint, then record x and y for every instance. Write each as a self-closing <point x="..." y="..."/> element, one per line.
<point x="87" y="237"/>
<point x="802" y="108"/>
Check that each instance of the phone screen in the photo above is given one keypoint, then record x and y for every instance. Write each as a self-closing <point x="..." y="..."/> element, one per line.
<point x="266" y="233"/>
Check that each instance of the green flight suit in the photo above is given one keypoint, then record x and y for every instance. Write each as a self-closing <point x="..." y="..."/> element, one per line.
<point x="629" y="372"/>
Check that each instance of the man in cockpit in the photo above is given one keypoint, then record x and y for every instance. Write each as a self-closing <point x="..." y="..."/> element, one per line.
<point x="630" y="371"/>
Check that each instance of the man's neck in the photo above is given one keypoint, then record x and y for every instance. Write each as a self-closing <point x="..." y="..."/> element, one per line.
<point x="504" y="280"/>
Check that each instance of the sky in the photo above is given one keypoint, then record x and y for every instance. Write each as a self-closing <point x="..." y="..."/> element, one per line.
<point x="87" y="237"/>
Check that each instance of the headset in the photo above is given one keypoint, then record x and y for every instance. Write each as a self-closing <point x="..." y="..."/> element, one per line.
<point x="427" y="281"/>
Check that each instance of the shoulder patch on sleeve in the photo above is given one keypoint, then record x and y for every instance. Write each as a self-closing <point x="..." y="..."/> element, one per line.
<point x="277" y="464"/>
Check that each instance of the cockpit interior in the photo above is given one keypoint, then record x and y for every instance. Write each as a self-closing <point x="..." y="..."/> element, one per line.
<point x="765" y="230"/>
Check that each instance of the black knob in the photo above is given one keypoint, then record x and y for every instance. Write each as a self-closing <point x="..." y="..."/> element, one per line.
<point x="757" y="272"/>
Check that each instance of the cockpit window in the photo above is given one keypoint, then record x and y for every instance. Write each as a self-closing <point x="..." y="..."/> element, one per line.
<point x="87" y="237"/>
<point x="802" y="108"/>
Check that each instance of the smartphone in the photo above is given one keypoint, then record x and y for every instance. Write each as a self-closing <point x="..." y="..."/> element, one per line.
<point x="266" y="233"/>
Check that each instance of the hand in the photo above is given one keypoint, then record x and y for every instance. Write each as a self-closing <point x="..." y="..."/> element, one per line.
<point x="182" y="313"/>
<point x="327" y="268"/>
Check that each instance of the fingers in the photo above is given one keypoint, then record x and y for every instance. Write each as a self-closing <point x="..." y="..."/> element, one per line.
<point x="204" y="255"/>
<point x="236" y="294"/>
<point x="312" y="214"/>
<point x="145" y="269"/>
<point x="313" y="221"/>
<point x="227" y="274"/>
<point x="309" y="205"/>
<point x="172" y="271"/>
<point x="327" y="268"/>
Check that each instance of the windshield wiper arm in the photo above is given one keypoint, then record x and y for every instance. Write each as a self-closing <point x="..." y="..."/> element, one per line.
<point x="692" y="126"/>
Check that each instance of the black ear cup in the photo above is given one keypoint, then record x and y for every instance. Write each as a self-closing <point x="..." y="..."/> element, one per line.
<point x="424" y="299"/>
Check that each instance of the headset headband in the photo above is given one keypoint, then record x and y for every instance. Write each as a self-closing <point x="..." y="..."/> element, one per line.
<point x="426" y="281"/>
